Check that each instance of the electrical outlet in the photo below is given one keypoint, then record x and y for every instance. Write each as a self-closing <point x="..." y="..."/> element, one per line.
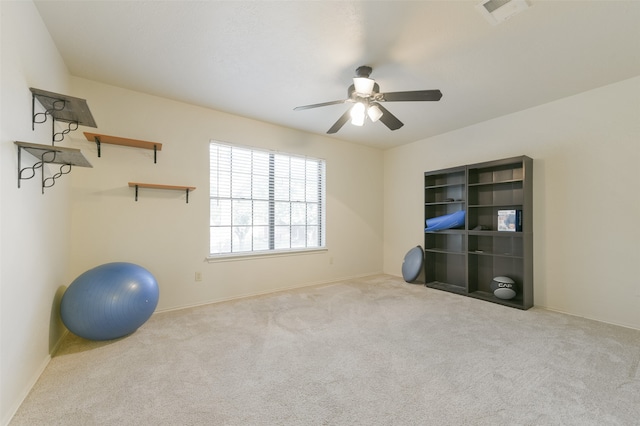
<point x="198" y="276"/>
<point x="331" y="261"/>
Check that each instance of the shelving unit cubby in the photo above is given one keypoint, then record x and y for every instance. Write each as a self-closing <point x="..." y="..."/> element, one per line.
<point x="465" y="260"/>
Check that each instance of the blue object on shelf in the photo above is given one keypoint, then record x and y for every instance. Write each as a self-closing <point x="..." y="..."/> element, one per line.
<point x="448" y="221"/>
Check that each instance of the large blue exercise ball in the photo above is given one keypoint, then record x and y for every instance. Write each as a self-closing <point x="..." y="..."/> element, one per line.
<point x="109" y="301"/>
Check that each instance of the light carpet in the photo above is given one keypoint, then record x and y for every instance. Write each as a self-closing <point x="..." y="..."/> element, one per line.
<point x="369" y="351"/>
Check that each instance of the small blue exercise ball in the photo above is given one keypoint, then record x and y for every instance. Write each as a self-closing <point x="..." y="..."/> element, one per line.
<point x="109" y="301"/>
<point x="412" y="264"/>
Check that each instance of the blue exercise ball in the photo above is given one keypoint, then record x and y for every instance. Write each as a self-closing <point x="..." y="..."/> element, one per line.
<point x="109" y="301"/>
<point x="412" y="264"/>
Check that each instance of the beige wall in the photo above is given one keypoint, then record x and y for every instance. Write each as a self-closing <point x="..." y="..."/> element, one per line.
<point x="34" y="228"/>
<point x="170" y="238"/>
<point x="586" y="153"/>
<point x="90" y="216"/>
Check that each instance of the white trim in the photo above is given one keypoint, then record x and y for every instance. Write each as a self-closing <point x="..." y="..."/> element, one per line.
<point x="588" y="317"/>
<point x="34" y="379"/>
<point x="275" y="290"/>
<point x="30" y="384"/>
<point x="250" y="255"/>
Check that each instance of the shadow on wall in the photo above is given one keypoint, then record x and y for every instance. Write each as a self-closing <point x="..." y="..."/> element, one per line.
<point x="56" y="327"/>
<point x="62" y="341"/>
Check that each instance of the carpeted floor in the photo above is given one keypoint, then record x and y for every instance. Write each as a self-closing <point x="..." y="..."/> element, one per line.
<point x="370" y="351"/>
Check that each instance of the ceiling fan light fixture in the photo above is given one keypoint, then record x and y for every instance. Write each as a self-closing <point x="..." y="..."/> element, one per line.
<point x="358" y="114"/>
<point x="367" y="100"/>
<point x="363" y="85"/>
<point x="374" y="113"/>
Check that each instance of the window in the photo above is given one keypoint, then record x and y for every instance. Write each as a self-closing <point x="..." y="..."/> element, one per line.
<point x="263" y="201"/>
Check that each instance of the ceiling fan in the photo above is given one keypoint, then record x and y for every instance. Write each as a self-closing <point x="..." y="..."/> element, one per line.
<point x="365" y="94"/>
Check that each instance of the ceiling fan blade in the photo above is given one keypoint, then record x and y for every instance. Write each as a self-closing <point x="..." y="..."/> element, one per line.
<point x="415" y="95"/>
<point x="341" y="121"/>
<point x="389" y="120"/>
<point x="319" y="105"/>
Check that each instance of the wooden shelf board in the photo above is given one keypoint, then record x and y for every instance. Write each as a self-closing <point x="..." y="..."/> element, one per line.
<point x="491" y="233"/>
<point x="440" y="203"/>
<point x="445" y="185"/>
<point x="72" y="156"/>
<point x="115" y="140"/>
<point x="497" y="182"/>
<point x="159" y="186"/>
<point x="443" y="251"/>
<point x="493" y="254"/>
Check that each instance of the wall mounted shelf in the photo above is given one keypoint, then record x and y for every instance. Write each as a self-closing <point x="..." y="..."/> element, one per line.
<point x="68" y="109"/>
<point x="115" y="140"/>
<point x="48" y="154"/>
<point x="137" y="185"/>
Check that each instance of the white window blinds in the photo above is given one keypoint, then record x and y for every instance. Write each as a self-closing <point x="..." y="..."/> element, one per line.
<point x="264" y="201"/>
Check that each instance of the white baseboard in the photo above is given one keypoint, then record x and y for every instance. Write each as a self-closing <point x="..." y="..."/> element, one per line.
<point x="260" y="293"/>
<point x="16" y="404"/>
<point x="560" y="311"/>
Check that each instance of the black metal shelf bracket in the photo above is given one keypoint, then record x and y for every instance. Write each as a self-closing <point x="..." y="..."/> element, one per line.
<point x="97" y="139"/>
<point x="48" y="154"/>
<point x="59" y="136"/>
<point x="47" y="157"/>
<point x="51" y="180"/>
<point x="68" y="109"/>
<point x="57" y="106"/>
<point x="21" y="171"/>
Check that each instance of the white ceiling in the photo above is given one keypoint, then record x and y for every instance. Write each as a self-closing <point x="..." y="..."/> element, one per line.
<point x="260" y="59"/>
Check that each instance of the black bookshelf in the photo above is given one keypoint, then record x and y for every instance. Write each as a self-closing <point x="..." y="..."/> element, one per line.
<point x="465" y="260"/>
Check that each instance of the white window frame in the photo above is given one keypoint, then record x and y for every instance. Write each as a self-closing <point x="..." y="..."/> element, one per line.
<point x="264" y="202"/>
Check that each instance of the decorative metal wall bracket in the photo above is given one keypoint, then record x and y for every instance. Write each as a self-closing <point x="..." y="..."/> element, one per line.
<point x="68" y="109"/>
<point x="45" y="154"/>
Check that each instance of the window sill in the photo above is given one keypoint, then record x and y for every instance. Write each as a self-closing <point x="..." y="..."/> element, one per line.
<point x="233" y="257"/>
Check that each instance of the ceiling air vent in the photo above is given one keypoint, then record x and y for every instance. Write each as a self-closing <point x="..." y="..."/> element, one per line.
<point x="497" y="11"/>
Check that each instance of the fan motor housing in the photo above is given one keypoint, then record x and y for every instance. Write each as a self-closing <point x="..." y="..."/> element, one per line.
<point x="363" y="71"/>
